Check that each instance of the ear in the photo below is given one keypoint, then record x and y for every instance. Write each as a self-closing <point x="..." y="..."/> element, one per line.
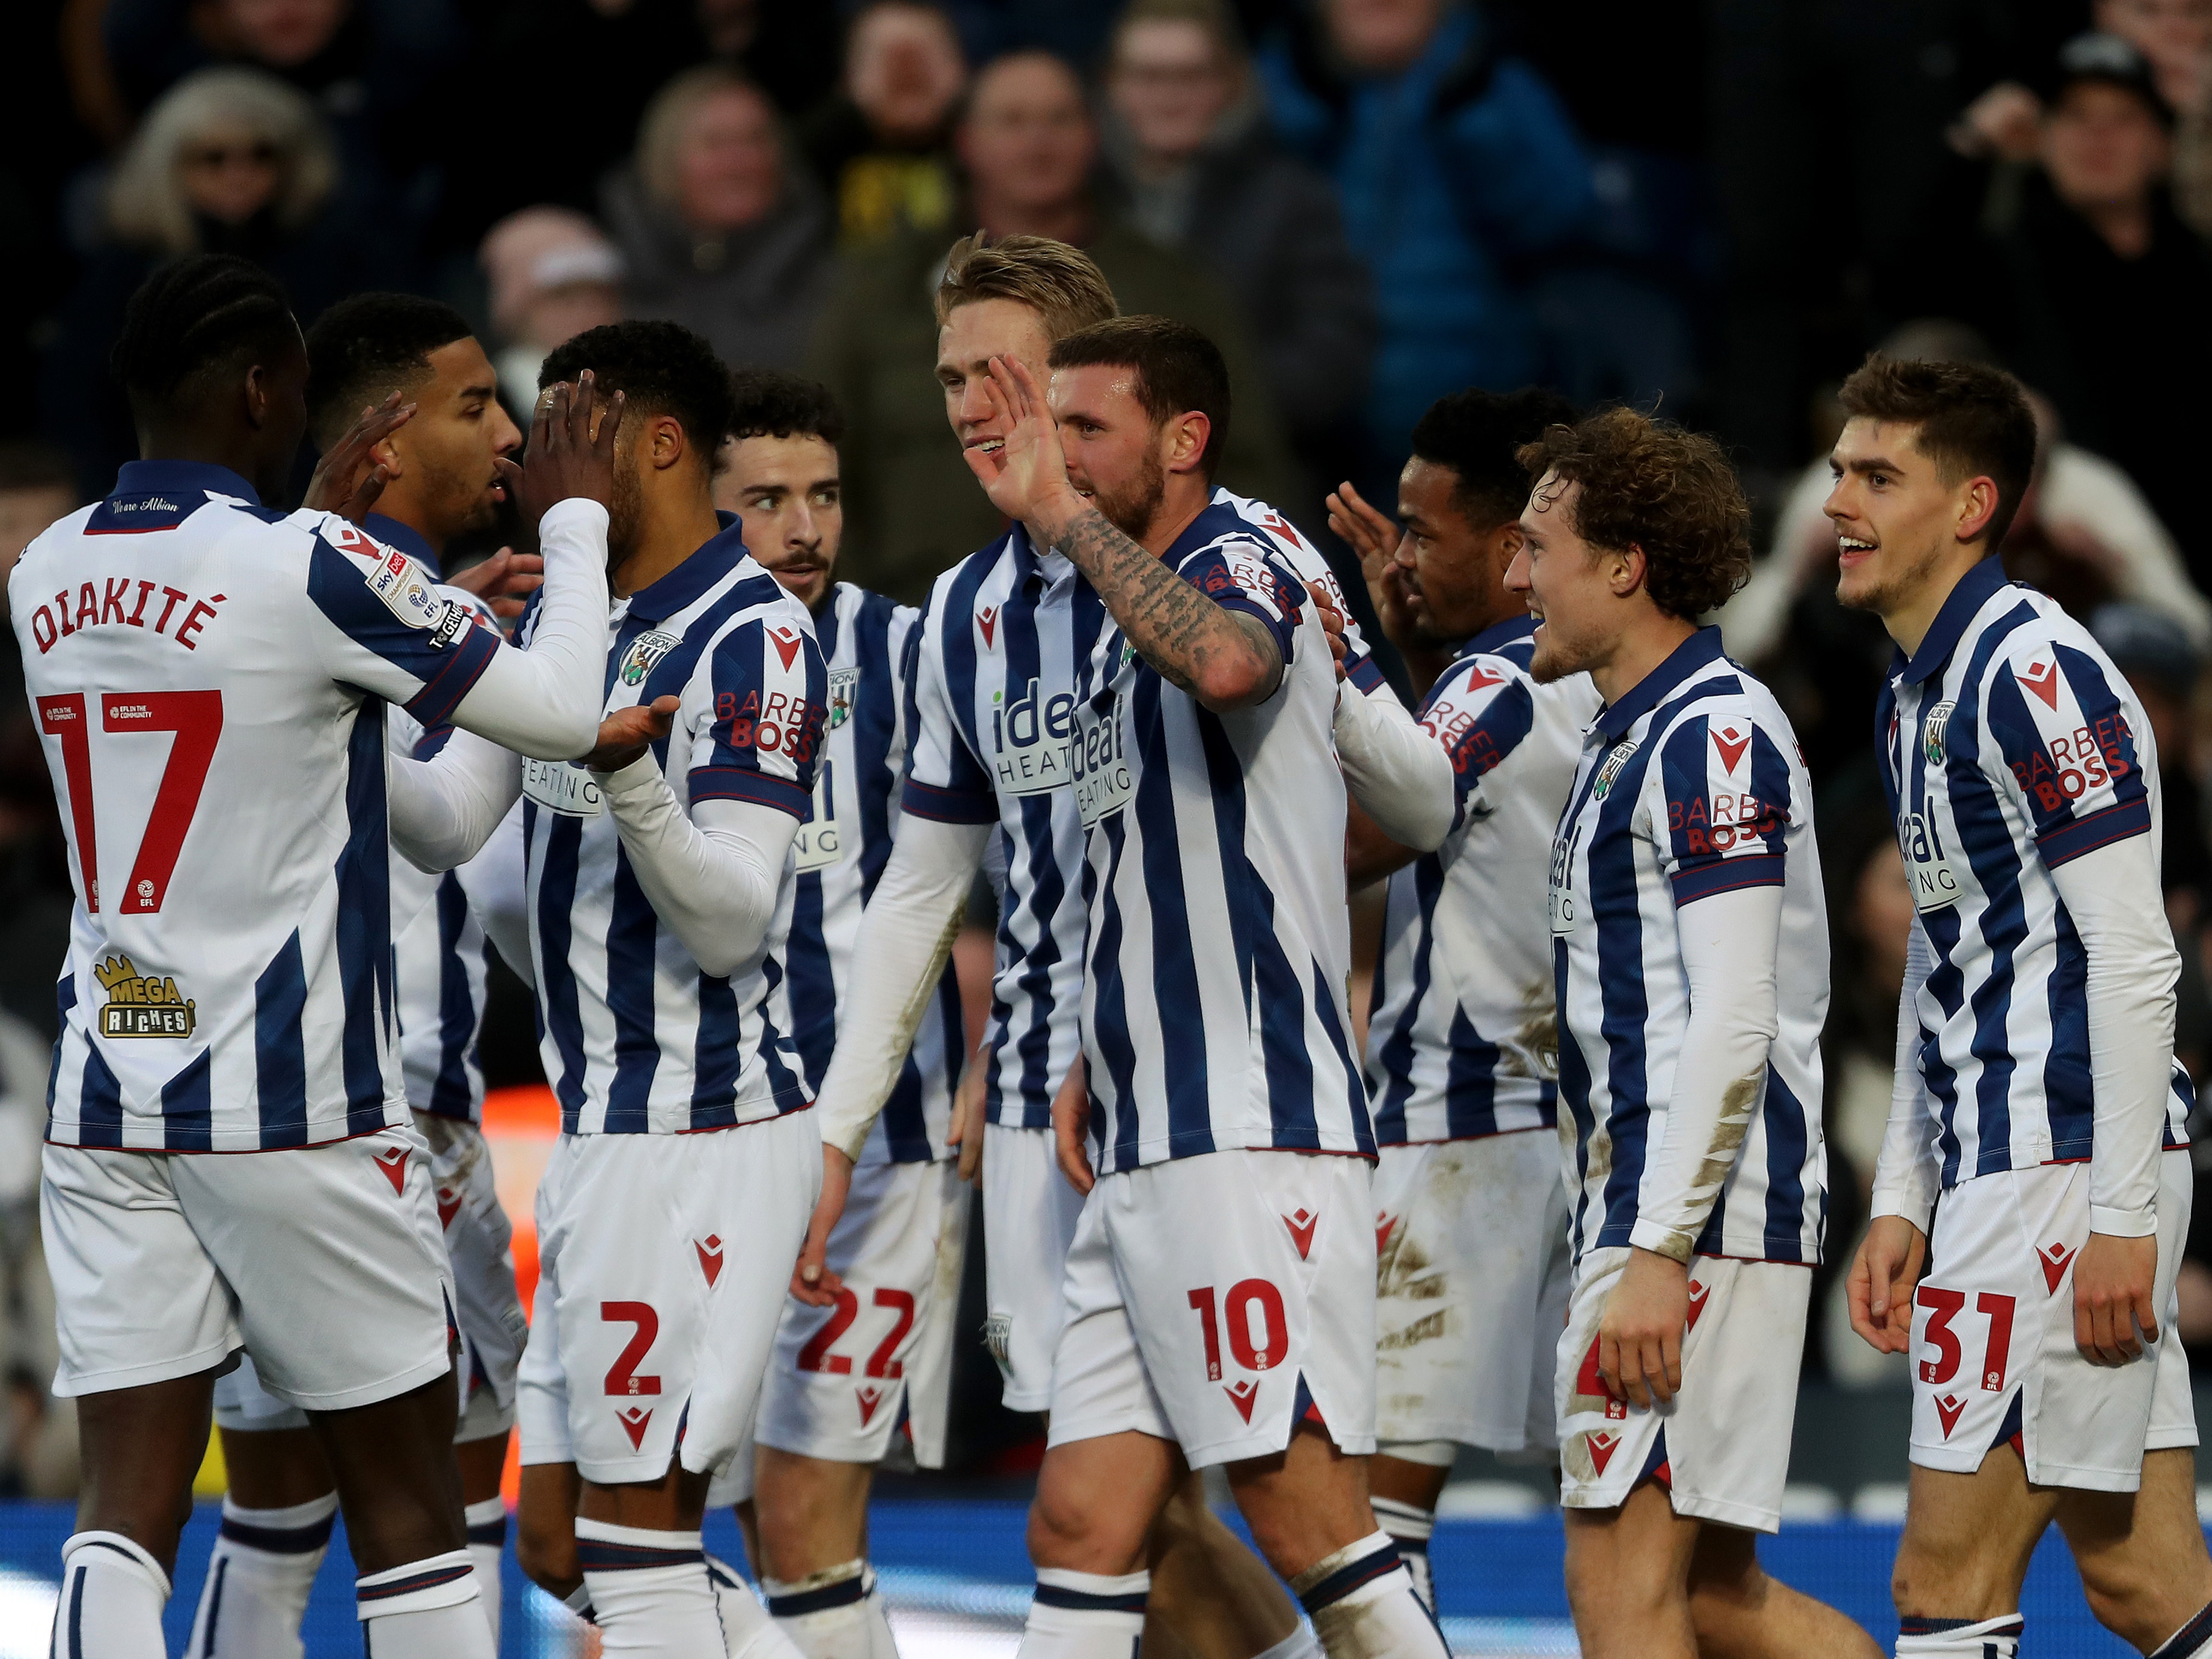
<point x="257" y="396"/>
<point x="666" y="444"/>
<point x="1978" y="506"/>
<point x="1628" y="571"/>
<point x="1506" y="543"/>
<point x="1186" y="436"/>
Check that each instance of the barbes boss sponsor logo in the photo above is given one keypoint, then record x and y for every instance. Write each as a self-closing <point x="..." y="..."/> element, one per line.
<point x="1029" y="738"/>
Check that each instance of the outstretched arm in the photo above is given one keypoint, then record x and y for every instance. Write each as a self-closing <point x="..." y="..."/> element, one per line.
<point x="1226" y="659"/>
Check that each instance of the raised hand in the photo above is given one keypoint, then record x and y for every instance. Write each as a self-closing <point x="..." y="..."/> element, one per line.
<point x="1332" y="621"/>
<point x="503" y="581"/>
<point x="567" y="457"/>
<point x="1027" y="478"/>
<point x="628" y="733"/>
<point x="348" y="478"/>
<point x="1370" y="534"/>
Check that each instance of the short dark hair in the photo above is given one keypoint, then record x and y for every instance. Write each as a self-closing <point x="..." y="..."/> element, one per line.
<point x="196" y="317"/>
<point x="1649" y="484"/>
<point x="663" y="368"/>
<point x="1969" y="419"/>
<point x="772" y="403"/>
<point x="1479" y="435"/>
<point x="368" y="346"/>
<point x="1178" y="369"/>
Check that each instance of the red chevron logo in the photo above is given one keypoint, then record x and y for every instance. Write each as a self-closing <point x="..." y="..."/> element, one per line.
<point x="393" y="1163"/>
<point x="870" y="1398"/>
<point x="634" y="1423"/>
<point x="710" y="1256"/>
<point x="449" y="1205"/>
<point x="987" y="620"/>
<point x="785" y="644"/>
<point x="2042" y="678"/>
<point x="1301" y="1226"/>
<point x="1241" y="1395"/>
<point x="1947" y="1406"/>
<point x="1731" y="743"/>
<point x="1602" y="1448"/>
<point x="1383" y="1225"/>
<point x="2055" y="1259"/>
<point x="1697" y="1295"/>
<point x="1482" y="675"/>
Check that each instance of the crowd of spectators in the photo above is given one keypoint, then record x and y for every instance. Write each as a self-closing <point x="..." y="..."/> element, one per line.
<point x="1714" y="207"/>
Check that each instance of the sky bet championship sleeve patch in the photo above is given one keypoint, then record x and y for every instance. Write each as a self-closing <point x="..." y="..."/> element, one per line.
<point x="403" y="585"/>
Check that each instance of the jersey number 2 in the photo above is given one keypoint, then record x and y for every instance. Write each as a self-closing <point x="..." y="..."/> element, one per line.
<point x="196" y="717"/>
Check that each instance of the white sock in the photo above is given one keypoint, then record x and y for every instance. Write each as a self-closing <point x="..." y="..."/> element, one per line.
<point x="111" y="1602"/>
<point x="747" y="1629"/>
<point x="1362" y="1603"/>
<point x="1300" y="1643"/>
<point x="1962" y="1638"/>
<point x="1410" y="1528"/>
<point x="1085" y="1615"/>
<point x="832" y="1615"/>
<point x="2192" y="1641"/>
<point x="426" y="1609"/>
<point x="650" y="1591"/>
<point x="487" y="1523"/>
<point x="259" y="1578"/>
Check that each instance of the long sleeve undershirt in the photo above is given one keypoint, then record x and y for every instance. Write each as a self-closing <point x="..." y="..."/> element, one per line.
<point x="1393" y="768"/>
<point x="1729" y="942"/>
<point x="545" y="700"/>
<point x="906" y="934"/>
<point x="496" y="882"/>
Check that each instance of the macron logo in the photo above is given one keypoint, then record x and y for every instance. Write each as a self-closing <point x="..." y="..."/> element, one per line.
<point x="710" y="1257"/>
<point x="1697" y="1295"/>
<point x="393" y="1163"/>
<point x="1947" y="1406"/>
<point x="2042" y="678"/>
<point x="1731" y="743"/>
<point x="1479" y="676"/>
<point x="785" y="644"/>
<point x="1301" y="1226"/>
<point x="1602" y="1448"/>
<point x="987" y="620"/>
<point x="2055" y="1259"/>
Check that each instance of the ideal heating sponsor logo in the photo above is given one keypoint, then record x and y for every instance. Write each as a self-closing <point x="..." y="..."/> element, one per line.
<point x="1029" y="737"/>
<point x="1100" y="759"/>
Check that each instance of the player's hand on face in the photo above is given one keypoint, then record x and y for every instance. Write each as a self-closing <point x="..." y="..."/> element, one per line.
<point x="1639" y="1336"/>
<point x="628" y="733"/>
<point x="967" y="1130"/>
<point x="1027" y="478"/>
<point x="348" y="478"/>
<point x="503" y="581"/>
<point x="811" y="1281"/>
<point x="1888" y="1265"/>
<point x="1071" y="1123"/>
<point x="1332" y="621"/>
<point x="569" y="455"/>
<point x="1363" y="528"/>
<point x="2114" y="1280"/>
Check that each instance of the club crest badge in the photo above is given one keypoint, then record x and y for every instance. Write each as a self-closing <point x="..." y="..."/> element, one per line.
<point x="1622" y="753"/>
<point x="141" y="1004"/>
<point x="644" y="655"/>
<point x="844" y="686"/>
<point x="1931" y="731"/>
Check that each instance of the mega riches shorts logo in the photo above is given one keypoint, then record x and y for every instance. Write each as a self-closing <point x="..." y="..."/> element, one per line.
<point x="141" y="1005"/>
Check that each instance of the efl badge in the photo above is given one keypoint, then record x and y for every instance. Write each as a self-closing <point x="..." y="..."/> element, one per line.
<point x="1622" y="753"/>
<point x="1931" y="731"/>
<point x="844" y="683"/>
<point x="141" y="1005"/>
<point x="644" y="655"/>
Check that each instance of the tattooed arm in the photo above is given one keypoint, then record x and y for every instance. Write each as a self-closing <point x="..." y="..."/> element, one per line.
<point x="1224" y="658"/>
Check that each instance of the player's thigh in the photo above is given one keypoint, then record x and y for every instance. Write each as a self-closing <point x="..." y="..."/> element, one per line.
<point x="835" y="1387"/>
<point x="1248" y="1277"/>
<point x="137" y="1299"/>
<point x="1967" y="1539"/>
<point x="334" y="1254"/>
<point x="1630" y="1563"/>
<point x="2142" y="1554"/>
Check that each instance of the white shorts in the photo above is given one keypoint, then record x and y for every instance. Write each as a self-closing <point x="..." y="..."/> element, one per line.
<point x="1030" y="1213"/>
<point x="478" y="1241"/>
<point x="1470" y="1291"/>
<point x="324" y="1260"/>
<point x="1214" y="1301"/>
<point x="1993" y="1333"/>
<point x="1726" y="1451"/>
<point x="664" y="1262"/>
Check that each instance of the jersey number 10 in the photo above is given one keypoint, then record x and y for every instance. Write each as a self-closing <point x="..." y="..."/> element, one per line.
<point x="196" y="717"/>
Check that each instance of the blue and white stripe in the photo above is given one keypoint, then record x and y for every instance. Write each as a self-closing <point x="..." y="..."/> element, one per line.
<point x="868" y="643"/>
<point x="993" y="709"/>
<point x="1690" y="785"/>
<point x="1215" y="1010"/>
<point x="2010" y="745"/>
<point x="636" y="1039"/>
<point x="282" y="639"/>
<point x="1464" y="1038"/>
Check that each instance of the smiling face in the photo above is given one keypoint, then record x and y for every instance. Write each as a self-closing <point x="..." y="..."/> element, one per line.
<point x="973" y="335"/>
<point x="786" y="493"/>
<point x="1573" y="590"/>
<point x="1897" y="521"/>
<point x="1117" y="459"/>
<point x="447" y="484"/>
<point x="1453" y="572"/>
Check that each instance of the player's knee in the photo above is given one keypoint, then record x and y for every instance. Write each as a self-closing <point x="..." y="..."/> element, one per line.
<point x="546" y="1552"/>
<point x="1605" y="1588"/>
<point x="2127" y="1598"/>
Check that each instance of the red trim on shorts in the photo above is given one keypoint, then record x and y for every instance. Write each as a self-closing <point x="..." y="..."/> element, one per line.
<point x="224" y="1151"/>
<point x="717" y="1128"/>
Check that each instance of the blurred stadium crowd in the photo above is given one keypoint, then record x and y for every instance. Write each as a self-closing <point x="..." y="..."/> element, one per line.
<point x="1716" y="207"/>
